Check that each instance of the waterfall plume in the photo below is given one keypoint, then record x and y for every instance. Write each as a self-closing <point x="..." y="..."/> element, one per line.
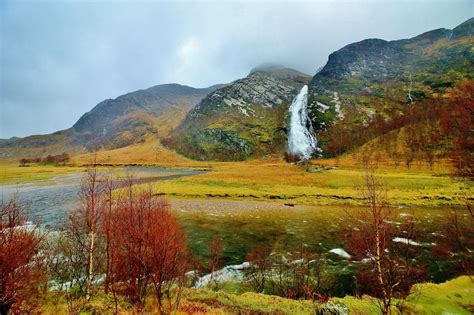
<point x="302" y="143"/>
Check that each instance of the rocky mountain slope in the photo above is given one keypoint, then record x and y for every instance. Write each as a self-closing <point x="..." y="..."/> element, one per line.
<point x="244" y="118"/>
<point x="378" y="76"/>
<point x="248" y="117"/>
<point x="115" y="123"/>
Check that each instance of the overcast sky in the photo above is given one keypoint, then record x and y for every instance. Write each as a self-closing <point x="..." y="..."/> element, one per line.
<point x="60" y="58"/>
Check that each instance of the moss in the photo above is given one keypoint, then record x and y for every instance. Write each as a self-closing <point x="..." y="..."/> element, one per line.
<point x="455" y="296"/>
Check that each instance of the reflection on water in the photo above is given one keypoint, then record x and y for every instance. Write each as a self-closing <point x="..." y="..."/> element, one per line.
<point x="48" y="200"/>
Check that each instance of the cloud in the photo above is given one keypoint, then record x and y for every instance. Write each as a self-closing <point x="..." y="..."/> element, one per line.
<point x="60" y="58"/>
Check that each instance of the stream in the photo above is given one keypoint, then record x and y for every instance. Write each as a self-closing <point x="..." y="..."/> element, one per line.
<point x="48" y="201"/>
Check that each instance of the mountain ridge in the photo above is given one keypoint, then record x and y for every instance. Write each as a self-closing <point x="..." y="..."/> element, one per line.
<point x="241" y="119"/>
<point x="117" y="122"/>
<point x="248" y="117"/>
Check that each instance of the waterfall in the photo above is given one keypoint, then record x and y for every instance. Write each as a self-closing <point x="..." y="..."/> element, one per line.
<point x="301" y="142"/>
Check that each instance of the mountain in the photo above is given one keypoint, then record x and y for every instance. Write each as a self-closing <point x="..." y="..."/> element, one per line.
<point x="373" y="76"/>
<point x="364" y="81"/>
<point x="115" y="123"/>
<point x="245" y="118"/>
<point x="378" y="76"/>
<point x="119" y="122"/>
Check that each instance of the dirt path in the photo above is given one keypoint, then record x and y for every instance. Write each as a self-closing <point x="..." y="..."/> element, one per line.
<point x="229" y="205"/>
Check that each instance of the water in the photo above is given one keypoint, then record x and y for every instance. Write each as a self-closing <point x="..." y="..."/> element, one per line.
<point x="48" y="201"/>
<point x="301" y="141"/>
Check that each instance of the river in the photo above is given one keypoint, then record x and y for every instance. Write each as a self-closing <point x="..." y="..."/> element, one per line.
<point x="47" y="201"/>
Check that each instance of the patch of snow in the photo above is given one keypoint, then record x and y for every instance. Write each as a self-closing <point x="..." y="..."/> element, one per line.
<point x="244" y="111"/>
<point x="322" y="107"/>
<point x="340" y="252"/>
<point x="406" y="241"/>
<point x="297" y="262"/>
<point x="232" y="272"/>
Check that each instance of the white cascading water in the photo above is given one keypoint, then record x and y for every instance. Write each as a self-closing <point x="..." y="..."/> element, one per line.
<point x="301" y="141"/>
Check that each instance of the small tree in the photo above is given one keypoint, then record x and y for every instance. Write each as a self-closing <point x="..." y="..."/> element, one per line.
<point x="215" y="253"/>
<point x="389" y="269"/>
<point x="147" y="248"/>
<point x="107" y="208"/>
<point x="79" y="241"/>
<point x="89" y="211"/>
<point x="458" y="243"/>
<point x="260" y="264"/>
<point x="457" y="119"/>
<point x="20" y="264"/>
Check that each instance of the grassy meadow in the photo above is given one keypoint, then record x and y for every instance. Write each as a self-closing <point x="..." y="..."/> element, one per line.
<point x="270" y="179"/>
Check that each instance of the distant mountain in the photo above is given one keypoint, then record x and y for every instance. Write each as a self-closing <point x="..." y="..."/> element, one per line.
<point x="119" y="122"/>
<point x="10" y="140"/>
<point x="375" y="75"/>
<point x="244" y="118"/>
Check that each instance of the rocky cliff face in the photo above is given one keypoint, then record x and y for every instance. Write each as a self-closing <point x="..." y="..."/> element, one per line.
<point x="241" y="119"/>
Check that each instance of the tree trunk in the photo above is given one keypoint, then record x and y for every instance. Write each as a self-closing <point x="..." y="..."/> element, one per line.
<point x="91" y="267"/>
<point x="91" y="237"/>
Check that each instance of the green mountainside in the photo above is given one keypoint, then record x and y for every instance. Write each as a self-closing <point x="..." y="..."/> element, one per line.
<point x="245" y="118"/>
<point x="368" y="80"/>
<point x="248" y="117"/>
<point x="375" y="76"/>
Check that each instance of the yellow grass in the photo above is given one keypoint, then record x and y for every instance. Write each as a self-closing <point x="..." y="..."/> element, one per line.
<point x="272" y="178"/>
<point x="279" y="180"/>
<point x="11" y="173"/>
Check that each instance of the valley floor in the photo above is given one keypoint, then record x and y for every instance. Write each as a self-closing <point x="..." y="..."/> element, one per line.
<point x="323" y="182"/>
<point x="269" y="201"/>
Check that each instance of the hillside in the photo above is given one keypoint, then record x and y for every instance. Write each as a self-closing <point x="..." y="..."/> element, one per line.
<point x="245" y="118"/>
<point x="115" y="123"/>
<point x="362" y="81"/>
<point x="378" y="77"/>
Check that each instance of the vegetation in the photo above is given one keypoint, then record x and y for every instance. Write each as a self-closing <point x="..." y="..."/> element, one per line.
<point x="50" y="159"/>
<point x="453" y="296"/>
<point x="388" y="269"/>
<point x="262" y="235"/>
<point x="21" y="271"/>
<point x="284" y="265"/>
<point x="424" y="131"/>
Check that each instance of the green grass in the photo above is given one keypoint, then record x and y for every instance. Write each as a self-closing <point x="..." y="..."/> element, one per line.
<point x="270" y="181"/>
<point x="247" y="303"/>
<point x="11" y="173"/>
<point x="454" y="297"/>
